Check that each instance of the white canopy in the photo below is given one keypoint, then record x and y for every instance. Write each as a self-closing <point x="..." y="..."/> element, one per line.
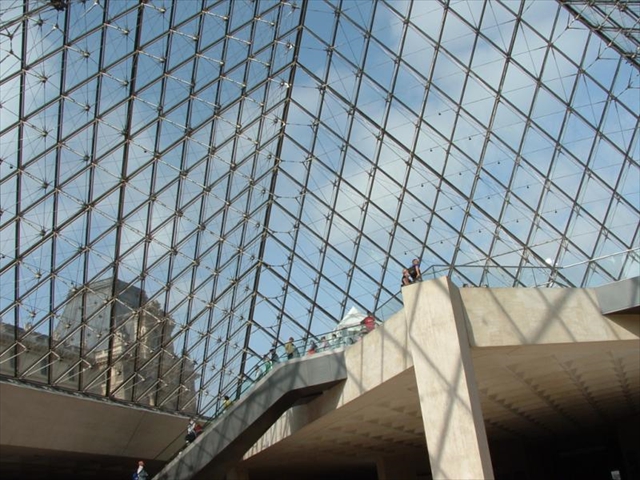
<point x="351" y="319"/>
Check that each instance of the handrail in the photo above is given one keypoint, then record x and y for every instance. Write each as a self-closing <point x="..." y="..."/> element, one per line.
<point x="551" y="270"/>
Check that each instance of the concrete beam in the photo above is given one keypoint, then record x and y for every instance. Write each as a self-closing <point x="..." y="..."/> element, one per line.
<point x="449" y="399"/>
<point x="620" y="297"/>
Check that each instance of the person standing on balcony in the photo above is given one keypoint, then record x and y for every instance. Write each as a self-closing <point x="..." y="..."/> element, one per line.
<point x="274" y="355"/>
<point x="291" y="349"/>
<point x="268" y="364"/>
<point x="191" y="432"/>
<point x="414" y="271"/>
<point x="369" y="322"/>
<point x="406" y="278"/>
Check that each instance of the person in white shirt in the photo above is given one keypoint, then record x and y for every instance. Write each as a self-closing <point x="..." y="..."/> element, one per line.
<point x="191" y="432"/>
<point x="141" y="473"/>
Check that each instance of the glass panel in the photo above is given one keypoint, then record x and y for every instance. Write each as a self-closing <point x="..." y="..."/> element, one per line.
<point x="175" y="201"/>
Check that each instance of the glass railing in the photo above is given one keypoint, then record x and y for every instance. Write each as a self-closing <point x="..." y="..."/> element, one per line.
<point x="389" y="308"/>
<point x="597" y="271"/>
<point x="496" y="276"/>
<point x="587" y="274"/>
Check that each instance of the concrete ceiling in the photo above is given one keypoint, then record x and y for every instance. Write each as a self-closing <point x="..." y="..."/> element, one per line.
<point x="527" y="393"/>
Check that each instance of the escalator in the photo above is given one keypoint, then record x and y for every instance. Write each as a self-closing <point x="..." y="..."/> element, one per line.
<point x="223" y="443"/>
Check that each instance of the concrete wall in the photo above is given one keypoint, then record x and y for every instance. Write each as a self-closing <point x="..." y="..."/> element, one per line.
<point x="446" y="380"/>
<point x="531" y="316"/>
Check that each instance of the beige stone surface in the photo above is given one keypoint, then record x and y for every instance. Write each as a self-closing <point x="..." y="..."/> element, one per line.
<point x="381" y="357"/>
<point x="534" y="316"/>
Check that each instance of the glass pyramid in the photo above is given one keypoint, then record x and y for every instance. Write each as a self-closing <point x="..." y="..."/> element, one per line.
<point x="184" y="184"/>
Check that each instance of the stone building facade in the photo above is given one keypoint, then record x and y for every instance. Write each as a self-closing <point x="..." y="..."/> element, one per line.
<point x="110" y="340"/>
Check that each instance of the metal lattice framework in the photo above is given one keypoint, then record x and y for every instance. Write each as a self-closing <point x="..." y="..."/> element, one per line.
<point x="617" y="23"/>
<point x="182" y="184"/>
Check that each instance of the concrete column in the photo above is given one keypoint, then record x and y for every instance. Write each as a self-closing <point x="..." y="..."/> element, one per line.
<point x="395" y="468"/>
<point x="449" y="399"/>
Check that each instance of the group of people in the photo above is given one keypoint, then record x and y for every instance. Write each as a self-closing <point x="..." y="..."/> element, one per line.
<point x="325" y="344"/>
<point x="412" y="274"/>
